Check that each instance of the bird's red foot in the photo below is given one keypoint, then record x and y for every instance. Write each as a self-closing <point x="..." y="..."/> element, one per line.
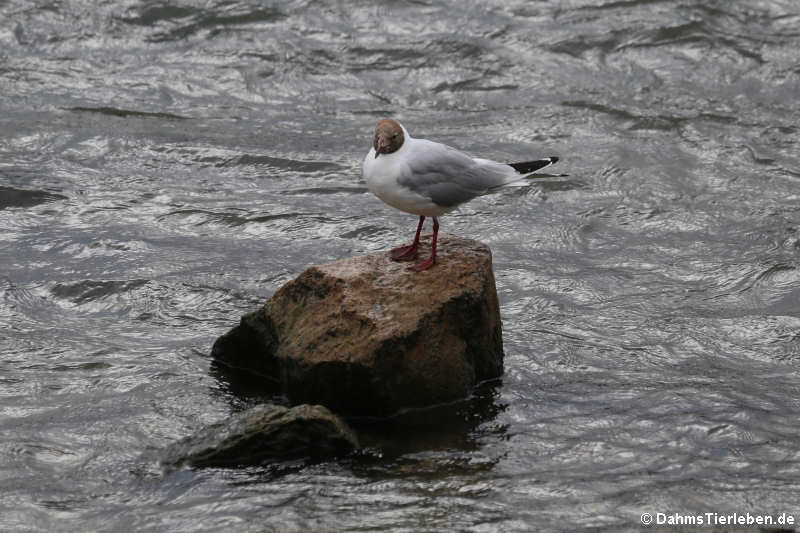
<point x="404" y="253"/>
<point x="424" y="265"/>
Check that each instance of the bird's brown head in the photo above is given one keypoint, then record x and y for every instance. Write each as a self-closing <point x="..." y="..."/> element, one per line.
<point x="389" y="137"/>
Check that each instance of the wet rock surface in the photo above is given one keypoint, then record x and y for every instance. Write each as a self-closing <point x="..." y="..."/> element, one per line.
<point x="365" y="335"/>
<point x="262" y="434"/>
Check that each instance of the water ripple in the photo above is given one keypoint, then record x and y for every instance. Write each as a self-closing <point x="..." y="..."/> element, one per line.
<point x="166" y="166"/>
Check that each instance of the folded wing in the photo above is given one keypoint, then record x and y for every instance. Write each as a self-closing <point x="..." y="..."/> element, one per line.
<point x="450" y="177"/>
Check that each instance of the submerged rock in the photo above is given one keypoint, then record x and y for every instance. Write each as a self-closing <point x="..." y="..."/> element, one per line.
<point x="366" y="335"/>
<point x="264" y="433"/>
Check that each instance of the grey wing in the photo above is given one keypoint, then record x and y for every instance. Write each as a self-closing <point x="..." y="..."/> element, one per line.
<point x="450" y="177"/>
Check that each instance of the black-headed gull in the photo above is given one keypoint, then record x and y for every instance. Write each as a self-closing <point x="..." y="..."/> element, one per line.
<point x="430" y="179"/>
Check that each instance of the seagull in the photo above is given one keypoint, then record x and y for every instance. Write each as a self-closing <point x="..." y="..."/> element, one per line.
<point x="430" y="179"/>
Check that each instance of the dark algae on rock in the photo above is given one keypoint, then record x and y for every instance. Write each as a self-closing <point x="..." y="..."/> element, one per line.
<point x="265" y="433"/>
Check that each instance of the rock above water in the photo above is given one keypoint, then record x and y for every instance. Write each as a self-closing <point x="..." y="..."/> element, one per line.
<point x="265" y="433"/>
<point x="366" y="335"/>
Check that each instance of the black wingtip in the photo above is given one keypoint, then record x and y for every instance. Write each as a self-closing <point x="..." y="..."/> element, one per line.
<point x="527" y="167"/>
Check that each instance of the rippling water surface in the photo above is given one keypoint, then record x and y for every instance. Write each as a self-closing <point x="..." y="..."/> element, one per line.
<point x="166" y="166"/>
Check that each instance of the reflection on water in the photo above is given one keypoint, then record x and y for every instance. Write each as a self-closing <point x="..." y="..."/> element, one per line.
<point x="165" y="167"/>
<point x="448" y="427"/>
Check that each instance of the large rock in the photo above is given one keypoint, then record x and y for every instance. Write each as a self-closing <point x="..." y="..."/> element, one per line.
<point x="265" y="433"/>
<point x="366" y="335"/>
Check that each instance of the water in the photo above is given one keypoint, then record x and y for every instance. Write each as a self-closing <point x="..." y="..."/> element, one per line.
<point x="165" y="167"/>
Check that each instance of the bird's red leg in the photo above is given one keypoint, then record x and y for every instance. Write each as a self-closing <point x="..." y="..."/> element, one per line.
<point x="429" y="262"/>
<point x="408" y="253"/>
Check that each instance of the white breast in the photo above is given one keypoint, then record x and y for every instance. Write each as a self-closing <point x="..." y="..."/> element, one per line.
<point x="381" y="175"/>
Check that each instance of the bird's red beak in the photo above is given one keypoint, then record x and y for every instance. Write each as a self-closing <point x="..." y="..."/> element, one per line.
<point x="381" y="146"/>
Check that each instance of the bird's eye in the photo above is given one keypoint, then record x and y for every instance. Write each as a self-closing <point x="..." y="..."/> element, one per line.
<point x="394" y="135"/>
